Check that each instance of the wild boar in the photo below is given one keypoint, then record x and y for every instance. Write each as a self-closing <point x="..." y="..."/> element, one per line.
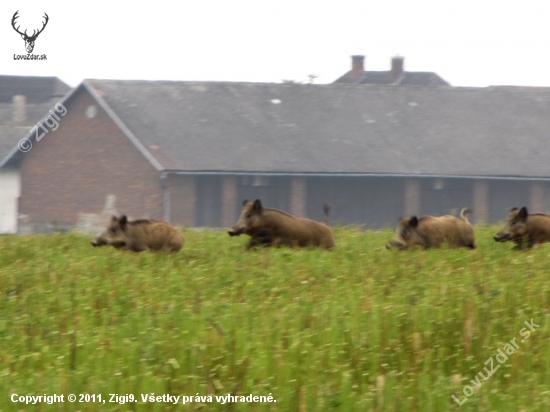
<point x="140" y="235"/>
<point x="525" y="229"/>
<point x="430" y="231"/>
<point x="272" y="227"/>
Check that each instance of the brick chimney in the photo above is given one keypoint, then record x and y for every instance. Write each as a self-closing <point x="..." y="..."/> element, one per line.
<point x="357" y="67"/>
<point x="396" y="67"/>
<point x="19" y="106"/>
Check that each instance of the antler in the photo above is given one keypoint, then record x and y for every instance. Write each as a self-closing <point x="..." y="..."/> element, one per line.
<point x="43" y="26"/>
<point x="34" y="33"/>
<point x="15" y="16"/>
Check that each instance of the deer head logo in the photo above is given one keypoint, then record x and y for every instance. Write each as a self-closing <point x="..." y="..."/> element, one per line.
<point x="29" y="40"/>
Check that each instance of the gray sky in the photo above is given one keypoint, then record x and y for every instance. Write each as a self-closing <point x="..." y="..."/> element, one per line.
<point x="467" y="42"/>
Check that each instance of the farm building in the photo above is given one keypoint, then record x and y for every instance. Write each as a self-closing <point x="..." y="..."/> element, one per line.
<point x="23" y="102"/>
<point x="397" y="75"/>
<point x="190" y="152"/>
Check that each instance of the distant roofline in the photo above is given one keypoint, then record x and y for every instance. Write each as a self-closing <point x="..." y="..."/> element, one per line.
<point x="350" y="174"/>
<point x="403" y="75"/>
<point x="57" y="87"/>
<point x="33" y="76"/>
<point x="330" y="85"/>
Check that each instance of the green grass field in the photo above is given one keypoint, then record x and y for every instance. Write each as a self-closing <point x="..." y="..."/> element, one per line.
<point x="359" y="328"/>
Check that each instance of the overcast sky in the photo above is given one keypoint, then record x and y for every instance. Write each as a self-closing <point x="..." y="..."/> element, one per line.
<point x="467" y="42"/>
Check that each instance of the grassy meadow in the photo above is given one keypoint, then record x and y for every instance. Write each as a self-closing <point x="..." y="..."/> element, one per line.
<point x="359" y="328"/>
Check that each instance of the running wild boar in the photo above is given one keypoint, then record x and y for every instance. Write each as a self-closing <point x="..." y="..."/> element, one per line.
<point x="271" y="227"/>
<point x="430" y="231"/>
<point x="525" y="229"/>
<point x="140" y="235"/>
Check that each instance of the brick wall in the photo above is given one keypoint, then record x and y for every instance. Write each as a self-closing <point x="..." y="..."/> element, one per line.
<point x="412" y="197"/>
<point x="537" y="202"/>
<point x="74" y="168"/>
<point x="298" y="196"/>
<point x="481" y="201"/>
<point x="230" y="211"/>
<point x="183" y="200"/>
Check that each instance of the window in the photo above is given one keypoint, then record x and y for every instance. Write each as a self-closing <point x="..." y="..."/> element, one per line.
<point x="91" y="111"/>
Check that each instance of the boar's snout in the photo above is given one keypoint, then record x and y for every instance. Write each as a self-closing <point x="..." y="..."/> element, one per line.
<point x="395" y="244"/>
<point x="98" y="242"/>
<point x="500" y="238"/>
<point x="235" y="232"/>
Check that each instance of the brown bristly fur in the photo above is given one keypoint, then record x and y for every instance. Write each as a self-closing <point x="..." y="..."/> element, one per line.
<point x="525" y="229"/>
<point x="274" y="227"/>
<point x="430" y="231"/>
<point x="140" y="235"/>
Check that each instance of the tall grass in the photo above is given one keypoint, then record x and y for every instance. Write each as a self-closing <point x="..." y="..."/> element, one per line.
<point x="355" y="329"/>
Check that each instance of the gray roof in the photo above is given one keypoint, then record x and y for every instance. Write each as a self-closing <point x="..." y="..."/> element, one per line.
<point x="10" y="136"/>
<point x="41" y="95"/>
<point x="11" y="132"/>
<point x="37" y="89"/>
<point x="336" y="128"/>
<point x="388" y="77"/>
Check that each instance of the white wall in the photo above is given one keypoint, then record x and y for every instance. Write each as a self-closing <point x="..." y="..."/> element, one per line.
<point x="10" y="190"/>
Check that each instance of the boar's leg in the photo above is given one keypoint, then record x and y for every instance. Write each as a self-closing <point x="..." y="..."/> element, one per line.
<point x="137" y="248"/>
<point x="279" y="241"/>
<point x="522" y="243"/>
<point x="262" y="238"/>
<point x="526" y="242"/>
<point x="253" y="243"/>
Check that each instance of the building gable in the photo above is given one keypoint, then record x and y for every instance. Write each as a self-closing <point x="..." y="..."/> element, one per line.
<point x="88" y="157"/>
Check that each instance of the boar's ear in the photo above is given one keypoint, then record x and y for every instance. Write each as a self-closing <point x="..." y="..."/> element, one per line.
<point x="114" y="218"/>
<point x="123" y="220"/>
<point x="257" y="206"/>
<point x="413" y="222"/>
<point x="523" y="213"/>
<point x="513" y="209"/>
<point x="245" y="202"/>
